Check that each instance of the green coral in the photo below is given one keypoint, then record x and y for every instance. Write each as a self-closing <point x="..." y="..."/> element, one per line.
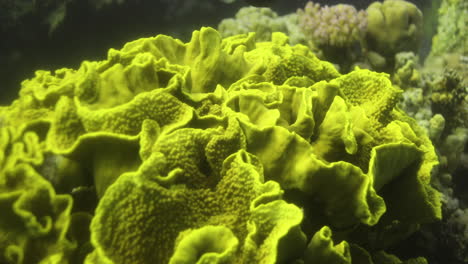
<point x="263" y="21"/>
<point x="452" y="36"/>
<point x="406" y="74"/>
<point x="393" y="26"/>
<point x="170" y="217"/>
<point x="449" y="98"/>
<point x="322" y="250"/>
<point x="34" y="219"/>
<point x="211" y="151"/>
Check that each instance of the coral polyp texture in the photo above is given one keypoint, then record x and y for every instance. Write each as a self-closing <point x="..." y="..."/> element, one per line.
<point x="212" y="151"/>
<point x="338" y="25"/>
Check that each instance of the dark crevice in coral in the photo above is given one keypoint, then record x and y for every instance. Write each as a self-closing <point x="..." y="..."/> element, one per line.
<point x="460" y="181"/>
<point x="84" y="199"/>
<point x="40" y="128"/>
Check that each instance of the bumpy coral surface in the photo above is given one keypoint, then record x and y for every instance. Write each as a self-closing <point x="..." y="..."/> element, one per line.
<point x="450" y="98"/>
<point x="263" y="21"/>
<point x="339" y="25"/>
<point x="211" y="151"/>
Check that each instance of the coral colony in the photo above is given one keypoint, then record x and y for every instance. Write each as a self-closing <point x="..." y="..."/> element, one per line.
<point x="252" y="143"/>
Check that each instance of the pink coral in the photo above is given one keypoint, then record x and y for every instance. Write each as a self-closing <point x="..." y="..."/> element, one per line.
<point x="339" y="25"/>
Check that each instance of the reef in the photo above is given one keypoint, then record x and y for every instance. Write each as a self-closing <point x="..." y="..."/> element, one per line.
<point x="318" y="136"/>
<point x="211" y="151"/>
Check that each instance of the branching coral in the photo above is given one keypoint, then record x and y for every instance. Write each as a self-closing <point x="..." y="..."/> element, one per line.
<point x="335" y="31"/>
<point x="339" y="25"/>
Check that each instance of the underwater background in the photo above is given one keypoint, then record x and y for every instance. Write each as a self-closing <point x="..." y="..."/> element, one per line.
<point x="137" y="131"/>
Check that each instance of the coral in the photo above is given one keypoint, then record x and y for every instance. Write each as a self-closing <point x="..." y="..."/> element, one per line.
<point x="452" y="148"/>
<point x="35" y="219"/>
<point x="452" y="36"/>
<point x="263" y="21"/>
<point x="322" y="250"/>
<point x="449" y="97"/>
<point x="406" y="72"/>
<point x="295" y="34"/>
<point x="393" y="26"/>
<point x="339" y="25"/>
<point x="334" y="32"/>
<point x="436" y="95"/>
<point x="436" y="127"/>
<point x="166" y="217"/>
<point x="439" y="102"/>
<point x="415" y="103"/>
<point x="211" y="151"/>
